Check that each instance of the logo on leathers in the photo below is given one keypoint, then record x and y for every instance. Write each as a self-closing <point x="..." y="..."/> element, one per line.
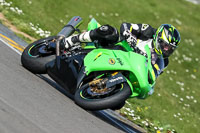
<point x="145" y="26"/>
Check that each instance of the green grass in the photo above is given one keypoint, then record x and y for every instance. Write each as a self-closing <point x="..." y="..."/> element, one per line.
<point x="163" y="108"/>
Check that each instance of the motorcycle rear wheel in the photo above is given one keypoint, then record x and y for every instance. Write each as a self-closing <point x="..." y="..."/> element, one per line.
<point x="31" y="58"/>
<point x="111" y="100"/>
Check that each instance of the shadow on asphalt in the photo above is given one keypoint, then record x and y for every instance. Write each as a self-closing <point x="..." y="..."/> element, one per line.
<point x="102" y="114"/>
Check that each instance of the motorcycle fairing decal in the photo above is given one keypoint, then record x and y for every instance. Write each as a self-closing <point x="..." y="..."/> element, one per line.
<point x="98" y="55"/>
<point x="116" y="79"/>
<point x="118" y="59"/>
<point x="111" y="61"/>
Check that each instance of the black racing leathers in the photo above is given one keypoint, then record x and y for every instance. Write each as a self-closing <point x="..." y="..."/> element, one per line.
<point x="141" y="31"/>
<point x="144" y="34"/>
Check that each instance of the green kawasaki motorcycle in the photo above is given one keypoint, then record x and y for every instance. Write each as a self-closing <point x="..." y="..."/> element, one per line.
<point x="98" y="78"/>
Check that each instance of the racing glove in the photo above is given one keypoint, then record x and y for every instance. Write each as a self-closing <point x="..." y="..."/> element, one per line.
<point x="130" y="38"/>
<point x="132" y="41"/>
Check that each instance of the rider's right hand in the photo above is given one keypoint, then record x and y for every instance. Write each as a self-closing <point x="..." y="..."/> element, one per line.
<point x="70" y="42"/>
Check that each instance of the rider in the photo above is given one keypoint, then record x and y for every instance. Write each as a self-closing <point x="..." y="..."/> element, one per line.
<point x="162" y="41"/>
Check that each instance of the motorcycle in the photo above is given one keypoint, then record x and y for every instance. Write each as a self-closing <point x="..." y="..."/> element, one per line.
<point x="97" y="77"/>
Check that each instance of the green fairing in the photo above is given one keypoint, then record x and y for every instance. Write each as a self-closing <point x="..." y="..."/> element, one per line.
<point x="116" y="60"/>
<point x="93" y="24"/>
<point x="125" y="45"/>
<point x="138" y="66"/>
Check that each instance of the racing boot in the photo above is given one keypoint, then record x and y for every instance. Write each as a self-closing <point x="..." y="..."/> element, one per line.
<point x="103" y="35"/>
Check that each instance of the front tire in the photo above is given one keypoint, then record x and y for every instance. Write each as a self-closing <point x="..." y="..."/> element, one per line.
<point x="31" y="60"/>
<point x="112" y="101"/>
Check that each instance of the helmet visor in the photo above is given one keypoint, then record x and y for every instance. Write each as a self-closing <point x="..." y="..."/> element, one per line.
<point x="165" y="47"/>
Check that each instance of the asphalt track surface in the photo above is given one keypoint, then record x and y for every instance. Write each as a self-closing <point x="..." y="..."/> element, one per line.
<point x="35" y="104"/>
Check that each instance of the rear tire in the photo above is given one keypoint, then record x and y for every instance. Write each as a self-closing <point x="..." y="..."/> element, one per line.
<point x="111" y="101"/>
<point x="33" y="63"/>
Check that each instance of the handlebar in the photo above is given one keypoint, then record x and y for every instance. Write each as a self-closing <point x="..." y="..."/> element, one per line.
<point x="70" y="28"/>
<point x="67" y="30"/>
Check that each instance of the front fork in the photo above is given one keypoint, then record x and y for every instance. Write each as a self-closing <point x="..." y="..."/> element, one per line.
<point x="99" y="83"/>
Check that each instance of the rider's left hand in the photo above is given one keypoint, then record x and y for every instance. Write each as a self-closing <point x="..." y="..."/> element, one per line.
<point x="130" y="38"/>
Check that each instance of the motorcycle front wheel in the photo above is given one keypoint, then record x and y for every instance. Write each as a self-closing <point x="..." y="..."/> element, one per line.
<point x="35" y="55"/>
<point x="110" y="99"/>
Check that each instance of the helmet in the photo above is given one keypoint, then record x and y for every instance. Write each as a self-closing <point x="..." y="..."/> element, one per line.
<point x="166" y="40"/>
